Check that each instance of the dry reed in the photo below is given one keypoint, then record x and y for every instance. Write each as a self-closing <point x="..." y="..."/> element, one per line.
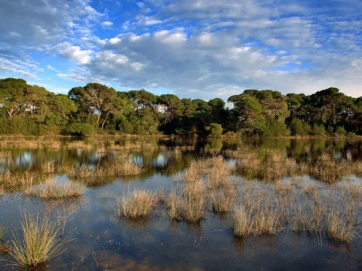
<point x="138" y="203"/>
<point x="187" y="203"/>
<point x="39" y="244"/>
<point x="337" y="228"/>
<point x="52" y="189"/>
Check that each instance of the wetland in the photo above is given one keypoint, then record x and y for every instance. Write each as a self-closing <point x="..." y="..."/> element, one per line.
<point x="168" y="204"/>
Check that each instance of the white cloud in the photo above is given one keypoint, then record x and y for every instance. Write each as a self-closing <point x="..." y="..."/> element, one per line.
<point x="18" y="67"/>
<point x="75" y="53"/>
<point x="74" y="77"/>
<point x="137" y="66"/>
<point x="107" y="24"/>
<point x="195" y="48"/>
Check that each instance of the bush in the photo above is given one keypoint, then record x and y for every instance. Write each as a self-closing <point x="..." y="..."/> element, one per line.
<point x="318" y="129"/>
<point x="298" y="127"/>
<point x="340" y="130"/>
<point x="215" y="129"/>
<point x="275" y="128"/>
<point x="19" y="125"/>
<point x="79" y="129"/>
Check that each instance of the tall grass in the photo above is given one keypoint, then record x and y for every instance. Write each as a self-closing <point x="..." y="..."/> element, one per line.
<point x="13" y="182"/>
<point x="39" y="244"/>
<point x="52" y="189"/>
<point x="187" y="203"/>
<point x="124" y="167"/>
<point x="258" y="217"/>
<point x="138" y="203"/>
<point x="3" y="247"/>
<point x="337" y="227"/>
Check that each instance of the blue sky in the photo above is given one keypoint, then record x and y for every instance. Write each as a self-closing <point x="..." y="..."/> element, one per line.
<point x="191" y="48"/>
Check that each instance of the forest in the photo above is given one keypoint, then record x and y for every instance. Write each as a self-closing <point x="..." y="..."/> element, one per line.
<point x="98" y="109"/>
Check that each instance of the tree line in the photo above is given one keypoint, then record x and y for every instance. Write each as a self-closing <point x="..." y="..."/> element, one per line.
<point x="96" y="108"/>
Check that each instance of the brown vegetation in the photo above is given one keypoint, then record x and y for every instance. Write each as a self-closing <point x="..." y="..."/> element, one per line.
<point x="136" y="204"/>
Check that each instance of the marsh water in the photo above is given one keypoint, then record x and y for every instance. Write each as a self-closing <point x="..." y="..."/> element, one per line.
<point x="99" y="239"/>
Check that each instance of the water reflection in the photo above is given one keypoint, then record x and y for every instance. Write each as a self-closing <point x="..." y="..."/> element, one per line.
<point x="288" y="170"/>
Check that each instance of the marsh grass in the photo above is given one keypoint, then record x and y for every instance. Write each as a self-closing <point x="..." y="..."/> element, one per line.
<point x="53" y="189"/>
<point x="2" y="232"/>
<point x="39" y="244"/>
<point x="309" y="216"/>
<point x="337" y="228"/>
<point x="5" y="154"/>
<point x="3" y="246"/>
<point x="330" y="171"/>
<point x="124" y="167"/>
<point x="187" y="203"/>
<point x="256" y="221"/>
<point x="282" y="187"/>
<point x="260" y="211"/>
<point x="350" y="188"/>
<point x="15" y="182"/>
<point x="48" y="167"/>
<point x="195" y="172"/>
<point x="218" y="174"/>
<point x="223" y="200"/>
<point x="136" y="204"/>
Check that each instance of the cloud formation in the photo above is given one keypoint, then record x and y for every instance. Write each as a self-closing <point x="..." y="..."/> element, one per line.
<point x="193" y="48"/>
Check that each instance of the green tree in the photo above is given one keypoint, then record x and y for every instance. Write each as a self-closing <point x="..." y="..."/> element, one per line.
<point x="215" y="129"/>
<point x="12" y="95"/>
<point x="251" y="120"/>
<point x="94" y="99"/>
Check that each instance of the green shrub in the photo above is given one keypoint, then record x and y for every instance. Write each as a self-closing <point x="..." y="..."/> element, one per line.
<point x="80" y="129"/>
<point x="215" y="129"/>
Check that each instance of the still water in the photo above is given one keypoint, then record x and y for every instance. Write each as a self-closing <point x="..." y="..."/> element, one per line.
<point x="101" y="240"/>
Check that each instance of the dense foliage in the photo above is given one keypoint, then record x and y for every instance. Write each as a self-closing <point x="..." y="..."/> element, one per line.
<point x="33" y="110"/>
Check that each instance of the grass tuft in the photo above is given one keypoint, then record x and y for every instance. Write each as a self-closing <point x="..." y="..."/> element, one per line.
<point x="136" y="204"/>
<point x="56" y="190"/>
<point x="40" y="241"/>
<point x="337" y="228"/>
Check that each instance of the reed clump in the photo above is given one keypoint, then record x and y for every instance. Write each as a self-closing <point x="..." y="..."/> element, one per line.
<point x="218" y="174"/>
<point x="337" y="228"/>
<point x="3" y="246"/>
<point x="256" y="221"/>
<point x="48" y="167"/>
<point x="282" y="187"/>
<point x="14" y="182"/>
<point x="125" y="168"/>
<point x="223" y="200"/>
<point x="350" y="188"/>
<point x="120" y="168"/>
<point x="40" y="242"/>
<point x="222" y="187"/>
<point x="136" y="204"/>
<point x="53" y="189"/>
<point x="260" y="211"/>
<point x="5" y="154"/>
<point x="309" y="216"/>
<point x="196" y="171"/>
<point x="188" y="203"/>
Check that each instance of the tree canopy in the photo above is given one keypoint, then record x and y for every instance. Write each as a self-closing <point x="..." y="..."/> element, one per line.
<point x="32" y="109"/>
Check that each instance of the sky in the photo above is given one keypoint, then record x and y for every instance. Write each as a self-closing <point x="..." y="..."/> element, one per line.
<point x="191" y="48"/>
